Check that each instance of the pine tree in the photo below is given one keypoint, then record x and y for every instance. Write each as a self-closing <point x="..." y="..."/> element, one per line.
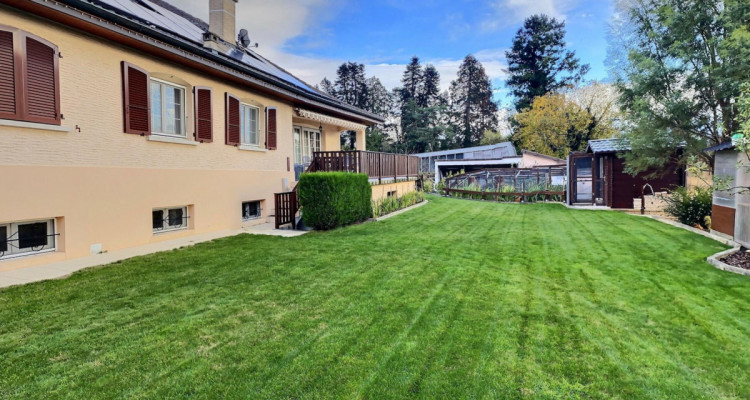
<point x="411" y="81"/>
<point x="471" y="102"/>
<point x="429" y="93"/>
<point x="327" y="86"/>
<point x="350" y="86"/>
<point x="538" y="62"/>
<point x="380" y="102"/>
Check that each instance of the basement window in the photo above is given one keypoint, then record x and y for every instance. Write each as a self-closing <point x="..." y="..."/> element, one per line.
<point x="169" y="219"/>
<point x="251" y="210"/>
<point x="26" y="238"/>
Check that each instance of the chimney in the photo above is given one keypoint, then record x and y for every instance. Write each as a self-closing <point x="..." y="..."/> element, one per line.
<point x="221" y="20"/>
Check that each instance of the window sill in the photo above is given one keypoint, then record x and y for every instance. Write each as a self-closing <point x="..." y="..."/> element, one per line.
<point x="166" y="231"/>
<point x="27" y="254"/>
<point x="34" y="125"/>
<point x="247" y="147"/>
<point x="170" y="139"/>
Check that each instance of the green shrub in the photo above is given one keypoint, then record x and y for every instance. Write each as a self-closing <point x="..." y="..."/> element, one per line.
<point x="391" y="204"/>
<point x="333" y="199"/>
<point x="690" y="207"/>
<point x="428" y="185"/>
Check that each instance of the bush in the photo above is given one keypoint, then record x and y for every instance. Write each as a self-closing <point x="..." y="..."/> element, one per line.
<point x="690" y="207"/>
<point x="428" y="185"/>
<point x="333" y="199"/>
<point x="391" y="204"/>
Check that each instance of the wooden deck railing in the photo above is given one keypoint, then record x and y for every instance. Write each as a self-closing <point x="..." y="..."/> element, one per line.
<point x="380" y="166"/>
<point x="376" y="165"/>
<point x="287" y="205"/>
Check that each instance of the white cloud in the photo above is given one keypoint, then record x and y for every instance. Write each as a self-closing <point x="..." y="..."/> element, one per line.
<point x="509" y="12"/>
<point x="273" y="23"/>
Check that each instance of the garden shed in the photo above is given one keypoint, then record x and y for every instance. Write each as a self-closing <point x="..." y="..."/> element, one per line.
<point x="730" y="211"/>
<point x="597" y="176"/>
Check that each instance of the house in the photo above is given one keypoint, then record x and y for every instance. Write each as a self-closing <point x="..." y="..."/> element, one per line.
<point x="129" y="122"/>
<point x="730" y="211"/>
<point x="597" y="177"/>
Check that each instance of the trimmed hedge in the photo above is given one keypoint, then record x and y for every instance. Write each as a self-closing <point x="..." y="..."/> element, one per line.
<point x="333" y="199"/>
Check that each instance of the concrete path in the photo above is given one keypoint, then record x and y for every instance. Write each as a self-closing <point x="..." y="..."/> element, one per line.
<point x="64" y="268"/>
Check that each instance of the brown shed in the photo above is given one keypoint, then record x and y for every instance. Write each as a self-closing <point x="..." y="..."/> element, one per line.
<point x="597" y="176"/>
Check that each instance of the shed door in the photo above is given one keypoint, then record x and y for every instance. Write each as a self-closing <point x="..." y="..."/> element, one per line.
<point x="582" y="177"/>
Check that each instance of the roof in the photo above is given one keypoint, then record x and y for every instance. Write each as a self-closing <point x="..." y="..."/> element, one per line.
<point x="612" y="145"/>
<point x="488" y="161"/>
<point x="534" y="153"/>
<point x="508" y="146"/>
<point x="719" y="147"/>
<point x="165" y="22"/>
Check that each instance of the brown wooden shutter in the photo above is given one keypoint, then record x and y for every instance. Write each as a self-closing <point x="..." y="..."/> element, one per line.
<point x="8" y="77"/>
<point x="271" y="128"/>
<point x="232" y="120"/>
<point x="204" y="131"/>
<point x="136" y="100"/>
<point x="42" y="92"/>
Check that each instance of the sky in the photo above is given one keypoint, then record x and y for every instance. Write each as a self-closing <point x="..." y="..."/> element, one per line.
<point x="311" y="38"/>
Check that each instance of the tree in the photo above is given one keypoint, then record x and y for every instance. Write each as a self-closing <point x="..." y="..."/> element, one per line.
<point x="471" y="101"/>
<point x="538" y="62"/>
<point x="326" y="86"/>
<point x="685" y="63"/>
<point x="555" y="125"/>
<point x="420" y="109"/>
<point x="381" y="102"/>
<point x="350" y="86"/>
<point x="411" y="81"/>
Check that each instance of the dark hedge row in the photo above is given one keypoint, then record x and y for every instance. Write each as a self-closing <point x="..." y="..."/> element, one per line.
<point x="333" y="199"/>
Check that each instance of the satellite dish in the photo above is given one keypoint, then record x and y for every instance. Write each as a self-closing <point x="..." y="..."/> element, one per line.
<point x="243" y="39"/>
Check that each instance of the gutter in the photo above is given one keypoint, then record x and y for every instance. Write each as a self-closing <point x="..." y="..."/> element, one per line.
<point x="181" y="50"/>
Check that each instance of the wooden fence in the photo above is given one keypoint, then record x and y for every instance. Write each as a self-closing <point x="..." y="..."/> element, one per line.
<point x="376" y="165"/>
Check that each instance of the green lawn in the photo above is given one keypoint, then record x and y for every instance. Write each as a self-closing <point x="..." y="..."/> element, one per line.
<point x="456" y="299"/>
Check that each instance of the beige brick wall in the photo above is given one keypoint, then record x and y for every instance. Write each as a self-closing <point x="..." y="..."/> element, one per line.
<point x="101" y="184"/>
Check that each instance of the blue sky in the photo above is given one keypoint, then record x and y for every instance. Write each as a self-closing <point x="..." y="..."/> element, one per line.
<point x="312" y="37"/>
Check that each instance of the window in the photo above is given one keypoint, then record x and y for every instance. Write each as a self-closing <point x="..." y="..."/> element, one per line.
<point x="249" y="125"/>
<point x="306" y="143"/>
<point x="23" y="238"/>
<point x="251" y="210"/>
<point x="29" y="78"/>
<point x="391" y="193"/>
<point x="167" y="108"/>
<point x="169" y="219"/>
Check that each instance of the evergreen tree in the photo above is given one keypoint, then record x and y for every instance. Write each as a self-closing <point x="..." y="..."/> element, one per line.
<point x="472" y="104"/>
<point x="327" y="86"/>
<point x="429" y="93"/>
<point x="411" y="81"/>
<point x="380" y="102"/>
<point x="538" y="62"/>
<point x="350" y="86"/>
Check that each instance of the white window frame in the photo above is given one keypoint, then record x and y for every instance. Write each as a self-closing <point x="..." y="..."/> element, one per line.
<point x="183" y="90"/>
<point x="12" y="234"/>
<point x="260" y="210"/>
<point x="309" y="143"/>
<point x="165" y="227"/>
<point x="243" y="122"/>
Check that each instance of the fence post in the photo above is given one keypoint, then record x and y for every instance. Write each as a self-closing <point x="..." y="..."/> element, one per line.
<point x="380" y="168"/>
<point x="395" y="168"/>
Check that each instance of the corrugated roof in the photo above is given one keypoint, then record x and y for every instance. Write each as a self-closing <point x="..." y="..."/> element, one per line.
<point x="170" y="20"/>
<point x="506" y="146"/>
<point x="612" y="145"/>
<point x="722" y="146"/>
